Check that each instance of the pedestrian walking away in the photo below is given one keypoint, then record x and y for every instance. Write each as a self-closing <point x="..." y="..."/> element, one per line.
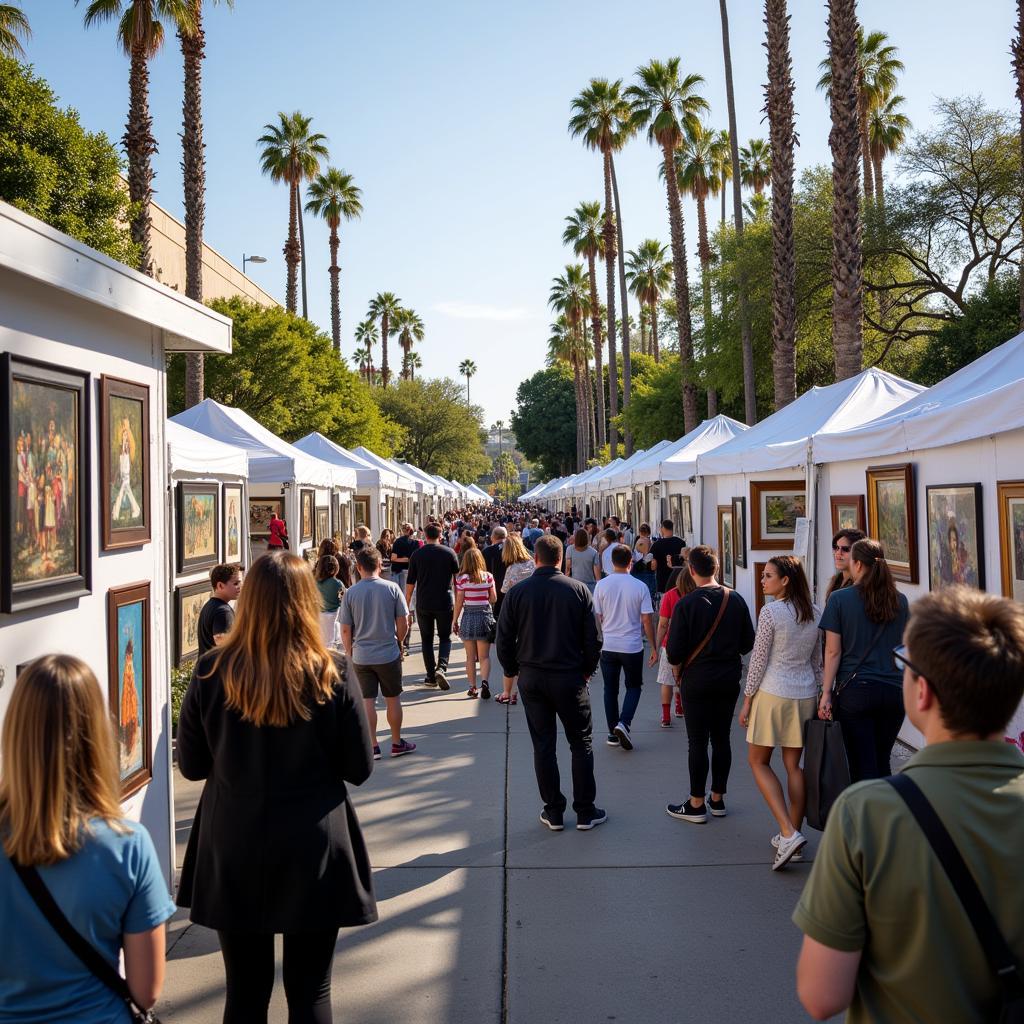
<point x="680" y="583"/>
<point x="401" y="551"/>
<point x="332" y="590"/>
<point x="495" y="564"/>
<point x="582" y="561"/>
<point x="217" y="615"/>
<point x="517" y="565"/>
<point x="432" y="572"/>
<point x="474" y="618"/>
<point x="667" y="551"/>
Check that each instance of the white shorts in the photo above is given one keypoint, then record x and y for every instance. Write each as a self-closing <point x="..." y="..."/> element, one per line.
<point x="665" y="677"/>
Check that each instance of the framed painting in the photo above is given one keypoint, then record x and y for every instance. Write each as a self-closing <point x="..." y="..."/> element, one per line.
<point x="261" y="511"/>
<point x="323" y="523"/>
<point x="679" y="513"/>
<point x="360" y="512"/>
<point x="726" y="546"/>
<point x="892" y="517"/>
<point x="124" y="464"/>
<point x="234" y="539"/>
<point x="956" y="541"/>
<point x="45" y="526"/>
<point x="848" y="513"/>
<point x="198" y="526"/>
<point x="739" y="526"/>
<point x="306" y="500"/>
<point x="188" y="603"/>
<point x="128" y="647"/>
<point x="775" y="506"/>
<point x="1011" y="537"/>
<point x="760" y="598"/>
<point x="335" y="512"/>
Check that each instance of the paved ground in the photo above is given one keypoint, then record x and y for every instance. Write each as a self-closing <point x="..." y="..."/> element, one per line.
<point x="488" y="918"/>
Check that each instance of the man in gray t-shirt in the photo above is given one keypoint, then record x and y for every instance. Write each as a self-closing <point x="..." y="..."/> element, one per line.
<point x="374" y="621"/>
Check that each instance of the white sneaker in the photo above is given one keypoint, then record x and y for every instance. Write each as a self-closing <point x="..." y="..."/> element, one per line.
<point x="799" y="855"/>
<point x="787" y="849"/>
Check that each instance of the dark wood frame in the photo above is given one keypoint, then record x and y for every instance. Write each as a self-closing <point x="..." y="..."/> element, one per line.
<point x="118" y="597"/>
<point x="759" y="601"/>
<point x="243" y="522"/>
<point x="723" y="511"/>
<point x="1006" y="489"/>
<point x="361" y="502"/>
<point x="199" y="562"/>
<point x="262" y="534"/>
<point x="759" y="541"/>
<point x="979" y="512"/>
<point x="305" y="495"/>
<point x="739" y="532"/>
<point x="180" y="593"/>
<point x="905" y="572"/>
<point x="335" y="512"/>
<point x="132" y="536"/>
<point x="16" y="598"/>
<point x="836" y="500"/>
<point x="326" y="512"/>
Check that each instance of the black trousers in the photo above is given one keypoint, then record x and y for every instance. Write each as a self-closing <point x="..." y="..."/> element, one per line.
<point x="548" y="699"/>
<point x="871" y="714"/>
<point x="708" y="719"/>
<point x="443" y="621"/>
<point x="249" y="976"/>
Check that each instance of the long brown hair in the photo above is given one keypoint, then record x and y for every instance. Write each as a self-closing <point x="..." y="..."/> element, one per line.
<point x="472" y="564"/>
<point x="798" y="592"/>
<point x="274" y="664"/>
<point x="876" y="586"/>
<point x="839" y="581"/>
<point x="60" y="761"/>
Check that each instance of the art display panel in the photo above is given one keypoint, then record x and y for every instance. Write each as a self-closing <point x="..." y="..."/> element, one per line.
<point x="306" y="505"/>
<point x="739" y="523"/>
<point x="261" y="511"/>
<point x="848" y="513"/>
<point x="124" y="463"/>
<point x="188" y="603"/>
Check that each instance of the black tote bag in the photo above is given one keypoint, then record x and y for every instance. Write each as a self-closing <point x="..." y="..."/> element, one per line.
<point x="826" y="768"/>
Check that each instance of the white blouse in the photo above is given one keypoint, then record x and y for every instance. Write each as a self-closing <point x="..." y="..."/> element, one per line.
<point x="786" y="659"/>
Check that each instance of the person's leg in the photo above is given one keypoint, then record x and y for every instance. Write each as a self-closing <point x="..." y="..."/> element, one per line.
<point x="721" y="744"/>
<point x="540" y="720"/>
<point x="470" y="646"/>
<point x="573" y="709"/>
<point x="633" y="667"/>
<point x="760" y="759"/>
<point x="306" y="971"/>
<point x="426" y="622"/>
<point x="394" y="713"/>
<point x="888" y="723"/>
<point x="698" y="734"/>
<point x="610" y="675"/>
<point x="248" y="976"/>
<point x="796" y="785"/>
<point x="444" y="637"/>
<point x="370" y="703"/>
<point x="483" y="652"/>
<point x="853" y="712"/>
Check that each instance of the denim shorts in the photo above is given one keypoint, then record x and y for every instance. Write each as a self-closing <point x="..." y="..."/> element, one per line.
<point x="476" y="623"/>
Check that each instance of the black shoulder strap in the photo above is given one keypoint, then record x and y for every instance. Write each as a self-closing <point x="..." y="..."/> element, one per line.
<point x="997" y="952"/>
<point x="864" y="657"/>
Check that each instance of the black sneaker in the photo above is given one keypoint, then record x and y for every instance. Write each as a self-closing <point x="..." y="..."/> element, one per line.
<point x="687" y="812"/>
<point x="441" y="677"/>
<point x="553" y="820"/>
<point x="622" y="731"/>
<point x="717" y="807"/>
<point x="585" y="822"/>
<point x="485" y="691"/>
<point x="430" y="684"/>
<point x="613" y="740"/>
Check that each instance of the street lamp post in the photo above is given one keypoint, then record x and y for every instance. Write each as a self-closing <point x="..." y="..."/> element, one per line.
<point x="252" y="259"/>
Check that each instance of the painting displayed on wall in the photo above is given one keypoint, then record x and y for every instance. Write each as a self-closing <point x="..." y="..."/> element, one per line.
<point x="336" y="513"/>
<point x="760" y="598"/>
<point x="1011" y="537"/>
<point x="739" y="525"/>
<point x="360" y="512"/>
<point x="124" y="463"/>
<point x="775" y="506"/>
<point x="892" y="517"/>
<point x="233" y="525"/>
<point x="848" y="513"/>
<point x="726" y="546"/>
<point x="956" y="541"/>
<point x="129" y="682"/>
<point x="323" y="523"/>
<point x="188" y="603"/>
<point x="306" y="500"/>
<point x="45" y="531"/>
<point x="261" y="511"/>
<point x="679" y="513"/>
<point x="198" y="526"/>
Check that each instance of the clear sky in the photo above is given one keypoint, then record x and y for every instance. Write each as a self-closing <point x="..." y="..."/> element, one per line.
<point x="452" y="117"/>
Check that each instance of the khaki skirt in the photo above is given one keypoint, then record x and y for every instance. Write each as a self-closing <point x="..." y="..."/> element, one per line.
<point x="779" y="721"/>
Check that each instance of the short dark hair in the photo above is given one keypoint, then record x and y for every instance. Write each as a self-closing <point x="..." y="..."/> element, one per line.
<point x="971" y="646"/>
<point x="703" y="560"/>
<point x="326" y="567"/>
<point x="621" y="556"/>
<point x="368" y="558"/>
<point x="667" y="524"/>
<point x="225" y="573"/>
<point x="432" y="531"/>
<point x="548" y="550"/>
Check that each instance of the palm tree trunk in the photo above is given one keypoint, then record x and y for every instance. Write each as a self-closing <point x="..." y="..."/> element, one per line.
<point x="627" y="368"/>
<point x="385" y="372"/>
<point x="581" y="417"/>
<point x="595" y="322"/>
<point x="879" y="185"/>
<point x="704" y="255"/>
<point x="291" y="251"/>
<point x="779" y="95"/>
<point x="588" y="386"/>
<point x="335" y="273"/>
<point x="724" y="190"/>
<point x="302" y="250"/>
<point x="643" y="331"/>
<point x="865" y="143"/>
<point x="746" y="337"/>
<point x="654" y="331"/>
<point x="1018" y="67"/>
<point x="140" y="146"/>
<point x="844" y="138"/>
<point x="609" y="264"/>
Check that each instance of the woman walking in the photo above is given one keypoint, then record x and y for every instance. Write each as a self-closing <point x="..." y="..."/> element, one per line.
<point x="278" y="539"/>
<point x="332" y="590"/>
<point x="609" y="540"/>
<point x="475" y="596"/>
<point x="781" y="695"/>
<point x="275" y="727"/>
<point x="519" y="566"/>
<point x="582" y="560"/>
<point x="861" y="684"/>
<point x="842" y="544"/>
<point x="642" y="559"/>
<point x="680" y="583"/>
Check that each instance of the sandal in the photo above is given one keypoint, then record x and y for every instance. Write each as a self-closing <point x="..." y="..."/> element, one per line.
<point x="514" y="699"/>
<point x="502" y="698"/>
<point x="472" y="692"/>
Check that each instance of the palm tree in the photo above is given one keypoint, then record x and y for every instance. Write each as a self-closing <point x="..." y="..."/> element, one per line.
<point x="844" y="139"/>
<point x="367" y="335"/>
<point x="1017" y="49"/>
<point x="384" y="306"/>
<point x="583" y="233"/>
<point x="565" y="345"/>
<point x="409" y="328"/>
<point x="292" y="153"/>
<point x="140" y="32"/>
<point x="601" y="117"/>
<point x="649" y="272"/>
<point x="570" y="296"/>
<point x="779" y="103"/>
<point x="333" y="195"/>
<point x="467" y="368"/>
<point x="722" y="154"/>
<point x="755" y="165"/>
<point x="669" y="106"/>
<point x="887" y="131"/>
<point x="363" y="358"/>
<point x="414" y="363"/>
<point x="499" y="427"/>
<point x="13" y="23"/>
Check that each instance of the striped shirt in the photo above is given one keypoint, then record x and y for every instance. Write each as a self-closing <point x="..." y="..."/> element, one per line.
<point x="475" y="595"/>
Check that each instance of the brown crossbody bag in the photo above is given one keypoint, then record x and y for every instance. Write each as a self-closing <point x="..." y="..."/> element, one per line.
<point x="711" y="632"/>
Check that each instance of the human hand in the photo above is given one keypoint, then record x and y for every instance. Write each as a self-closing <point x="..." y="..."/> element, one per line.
<point x="455" y="628"/>
<point x="653" y="659"/>
<point x="825" y="709"/>
<point x="745" y="712"/>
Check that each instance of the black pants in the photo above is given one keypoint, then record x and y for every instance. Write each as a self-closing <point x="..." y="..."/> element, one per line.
<point x="871" y="714"/>
<point x="249" y="974"/>
<point x="428" y="620"/>
<point x="708" y="720"/>
<point x="548" y="699"/>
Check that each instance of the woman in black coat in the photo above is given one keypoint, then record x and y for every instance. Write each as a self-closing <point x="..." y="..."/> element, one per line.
<point x="276" y="729"/>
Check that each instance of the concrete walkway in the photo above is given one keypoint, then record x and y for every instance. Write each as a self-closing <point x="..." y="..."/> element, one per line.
<point x="486" y="917"/>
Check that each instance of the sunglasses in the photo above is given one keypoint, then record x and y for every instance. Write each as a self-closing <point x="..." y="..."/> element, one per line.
<point x="845" y="548"/>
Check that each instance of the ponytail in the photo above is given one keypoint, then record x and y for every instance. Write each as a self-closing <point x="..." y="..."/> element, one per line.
<point x="881" y="598"/>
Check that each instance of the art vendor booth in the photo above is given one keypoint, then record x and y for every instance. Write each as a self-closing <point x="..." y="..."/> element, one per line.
<point x="84" y="525"/>
<point x="451" y="495"/>
<point x="397" y="508"/>
<point x="616" y="486"/>
<point x="427" y="502"/>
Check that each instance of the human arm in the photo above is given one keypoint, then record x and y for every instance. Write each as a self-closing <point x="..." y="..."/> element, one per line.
<point x="678" y="643"/>
<point x="647" y="618"/>
<point x="354" y="746"/>
<point x="195" y="759"/>
<point x="663" y="621"/>
<point x="591" y="638"/>
<point x="459" y="600"/>
<point x="825" y="978"/>
<point x="506" y="636"/>
<point x="222" y="622"/>
<point x="597" y="569"/>
<point x="492" y="594"/>
<point x="401" y="629"/>
<point x="758" y="661"/>
<point x="144" y="964"/>
<point x="833" y="656"/>
<point x="346" y="639"/>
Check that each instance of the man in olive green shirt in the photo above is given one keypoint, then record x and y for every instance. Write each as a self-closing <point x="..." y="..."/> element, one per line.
<point x="885" y="934"/>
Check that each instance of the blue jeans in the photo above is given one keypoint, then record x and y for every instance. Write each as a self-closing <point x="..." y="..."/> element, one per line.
<point x="633" y="667"/>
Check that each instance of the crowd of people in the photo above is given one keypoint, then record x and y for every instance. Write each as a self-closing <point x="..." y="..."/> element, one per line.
<point x="282" y="714"/>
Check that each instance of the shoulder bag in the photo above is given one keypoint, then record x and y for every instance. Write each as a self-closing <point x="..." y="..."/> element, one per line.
<point x="998" y="953"/>
<point x="711" y="632"/>
<point x="97" y="964"/>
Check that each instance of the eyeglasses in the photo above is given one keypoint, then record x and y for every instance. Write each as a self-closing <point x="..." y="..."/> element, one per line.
<point x="845" y="548"/>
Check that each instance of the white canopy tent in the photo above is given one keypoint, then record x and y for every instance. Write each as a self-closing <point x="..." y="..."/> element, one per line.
<point x="479" y="493"/>
<point x="532" y="492"/>
<point x="429" y="499"/>
<point x="196" y="456"/>
<point x="393" y="509"/>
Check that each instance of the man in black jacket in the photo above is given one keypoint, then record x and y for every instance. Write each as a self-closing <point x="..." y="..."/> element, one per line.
<point x="548" y="635"/>
<point x="495" y="566"/>
<point x="710" y="684"/>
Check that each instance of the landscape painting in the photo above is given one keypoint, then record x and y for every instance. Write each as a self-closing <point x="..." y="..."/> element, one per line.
<point x="775" y="506"/>
<point x="124" y="462"/>
<point x="189" y="603"/>
<point x="128" y="645"/>
<point x="198" y="526"/>
<point x="892" y="517"/>
<point x="955" y="535"/>
<point x="848" y="512"/>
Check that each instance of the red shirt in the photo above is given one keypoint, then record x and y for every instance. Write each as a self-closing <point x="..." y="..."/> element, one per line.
<point x="278" y="533"/>
<point x="669" y="601"/>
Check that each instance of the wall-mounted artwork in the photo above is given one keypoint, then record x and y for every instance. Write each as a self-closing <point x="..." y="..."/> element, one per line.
<point x="45" y="528"/>
<point x="848" y="513"/>
<point x="1011" y="537"/>
<point x="188" y="603"/>
<point x="680" y="514"/>
<point x="306" y="505"/>
<point x="360" y="511"/>
<point x="323" y="523"/>
<point x="261" y="511"/>
<point x="775" y="506"/>
<point x="124" y="463"/>
<point x="233" y="523"/>
<point x="129" y="682"/>
<point x="726" y="546"/>
<point x="892" y="517"/>
<point x="739" y="526"/>
<point x="198" y="526"/>
<point x="956" y="541"/>
<point x="760" y="597"/>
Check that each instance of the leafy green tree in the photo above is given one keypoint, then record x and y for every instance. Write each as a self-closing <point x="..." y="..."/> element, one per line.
<point x="544" y="420"/>
<point x="506" y="476"/>
<point x="53" y="169"/>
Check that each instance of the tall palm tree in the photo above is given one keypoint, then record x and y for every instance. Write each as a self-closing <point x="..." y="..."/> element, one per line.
<point x="756" y="165"/>
<point x="140" y="31"/>
<point x="13" y="24"/>
<point x="409" y="328"/>
<point x="414" y="363"/>
<point x="292" y="153"/>
<point x="844" y="139"/>
<point x="362" y="358"/>
<point x="887" y="131"/>
<point x="722" y="149"/>
<point x="583" y="233"/>
<point x="467" y="368"/>
<point x="367" y="335"/>
<point x="669" y="106"/>
<point x="601" y="117"/>
<point x="570" y="296"/>
<point x="333" y="195"/>
<point x="1017" y="49"/>
<point x="627" y="366"/>
<point x="779" y="103"/>
<point x="383" y="307"/>
<point x="649" y="272"/>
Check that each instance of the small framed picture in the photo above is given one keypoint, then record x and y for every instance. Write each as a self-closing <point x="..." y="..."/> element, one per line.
<point x="956" y="541"/>
<point x="323" y="523"/>
<point x="739" y="526"/>
<point x="679" y="513"/>
<point x="848" y="513"/>
<point x="306" y="506"/>
<point x="261" y="511"/>
<point x="726" y="546"/>
<point x="892" y="517"/>
<point x="775" y="506"/>
<point x="124" y="463"/>
<point x="188" y="603"/>
<point x="234" y="541"/>
<point x="198" y="526"/>
<point x="360" y="512"/>
<point x="1011" y="537"/>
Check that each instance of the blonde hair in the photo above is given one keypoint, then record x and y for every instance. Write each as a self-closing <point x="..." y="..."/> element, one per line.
<point x="473" y="564"/>
<point x="514" y="550"/>
<point x="60" y="761"/>
<point x="274" y="662"/>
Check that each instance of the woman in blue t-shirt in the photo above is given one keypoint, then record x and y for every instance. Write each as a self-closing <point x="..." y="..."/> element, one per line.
<point x="60" y="813"/>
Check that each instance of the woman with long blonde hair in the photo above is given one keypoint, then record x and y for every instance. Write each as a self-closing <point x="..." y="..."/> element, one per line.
<point x="519" y="566"/>
<point x="61" y="828"/>
<point x="475" y="596"/>
<point x="274" y="726"/>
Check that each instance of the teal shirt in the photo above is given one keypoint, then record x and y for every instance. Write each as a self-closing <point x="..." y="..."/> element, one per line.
<point x="331" y="592"/>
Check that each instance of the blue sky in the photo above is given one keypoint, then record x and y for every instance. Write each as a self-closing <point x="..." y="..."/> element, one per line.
<point x="452" y="118"/>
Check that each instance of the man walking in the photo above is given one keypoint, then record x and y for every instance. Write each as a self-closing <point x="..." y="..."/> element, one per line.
<point x="548" y="636"/>
<point x="666" y="552"/>
<point x="531" y="534"/>
<point x="432" y="572"/>
<point x="495" y="566"/>
<point x="624" y="609"/>
<point x="217" y="616"/>
<point x="401" y="552"/>
<point x="374" y="619"/>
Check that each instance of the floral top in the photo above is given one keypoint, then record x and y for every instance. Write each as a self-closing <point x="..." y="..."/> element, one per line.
<point x="786" y="659"/>
<point x="516" y="573"/>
